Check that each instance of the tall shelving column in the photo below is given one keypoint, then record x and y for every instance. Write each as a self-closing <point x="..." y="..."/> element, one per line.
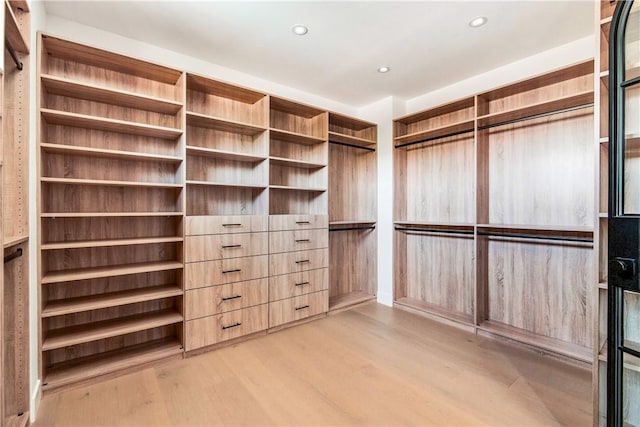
<point x="111" y="177"/>
<point x="298" y="216"/>
<point x="352" y="211"/>
<point x="434" y="211"/>
<point x="15" y="216"/>
<point x="605" y="10"/>
<point x="226" y="243"/>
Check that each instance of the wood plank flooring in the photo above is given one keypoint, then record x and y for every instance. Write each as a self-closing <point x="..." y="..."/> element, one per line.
<point x="370" y="366"/>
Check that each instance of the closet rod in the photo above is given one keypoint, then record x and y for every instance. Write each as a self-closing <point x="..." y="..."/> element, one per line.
<point x="369" y="227"/>
<point x="16" y="254"/>
<point x="13" y="55"/>
<point x="435" y="230"/>
<point x="630" y="82"/>
<point x="433" y="138"/>
<point x="352" y="145"/>
<point x="536" y="236"/>
<point x="537" y="116"/>
<point x="631" y="351"/>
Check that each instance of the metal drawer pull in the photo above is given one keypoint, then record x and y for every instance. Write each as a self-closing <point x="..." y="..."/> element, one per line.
<point x="231" y="326"/>
<point x="303" y="307"/>
<point x="231" y="246"/>
<point x="232" y="225"/>
<point x="303" y="261"/>
<point x="303" y="222"/>
<point x="302" y="283"/>
<point x="237" y="270"/>
<point x="233" y="297"/>
<point x="302" y="240"/>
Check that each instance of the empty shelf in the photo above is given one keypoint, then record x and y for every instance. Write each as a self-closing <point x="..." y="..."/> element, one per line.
<point x="108" y="183"/>
<point x="295" y="138"/>
<point x="107" y="153"/>
<point x="224" y="125"/>
<point x="70" y="244"/>
<point x="108" y="271"/>
<point x="351" y="140"/>
<point x="292" y="163"/>
<point x="224" y="155"/>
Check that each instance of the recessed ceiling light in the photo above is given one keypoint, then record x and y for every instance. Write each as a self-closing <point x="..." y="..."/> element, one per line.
<point x="299" y="30"/>
<point x="478" y="22"/>
<point x="384" y="69"/>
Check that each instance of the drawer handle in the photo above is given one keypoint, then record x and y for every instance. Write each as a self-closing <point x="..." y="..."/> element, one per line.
<point x="303" y="222"/>
<point x="303" y="307"/>
<point x="302" y="283"/>
<point x="237" y="270"/>
<point x="231" y="246"/>
<point x="230" y="298"/>
<point x="231" y="326"/>
<point x="302" y="240"/>
<point x="303" y="261"/>
<point x="232" y="225"/>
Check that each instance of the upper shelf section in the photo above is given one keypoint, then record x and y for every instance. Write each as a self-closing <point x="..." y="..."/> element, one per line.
<point x="352" y="132"/>
<point x="297" y="121"/>
<point x="16" y="29"/>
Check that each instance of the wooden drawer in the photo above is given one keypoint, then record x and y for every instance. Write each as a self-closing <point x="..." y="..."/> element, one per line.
<point x="223" y="246"/>
<point x="221" y="327"/>
<point x="297" y="222"/>
<point x="292" y="309"/>
<point x="196" y="225"/>
<point x="298" y="240"/>
<point x="220" y="299"/>
<point x="296" y="284"/>
<point x="293" y="262"/>
<point x="209" y="273"/>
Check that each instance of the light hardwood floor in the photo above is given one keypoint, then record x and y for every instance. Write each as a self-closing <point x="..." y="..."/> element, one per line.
<point x="372" y="365"/>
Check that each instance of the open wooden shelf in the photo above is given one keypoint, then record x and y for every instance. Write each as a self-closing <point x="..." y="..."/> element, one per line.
<point x="79" y="334"/>
<point x="107" y="214"/>
<point x="223" y="154"/>
<point x="294" y="137"/>
<point x="464" y="228"/>
<point x="549" y="106"/>
<point x="85" y="121"/>
<point x="434" y="133"/>
<point x="93" y="366"/>
<point x="108" y="271"/>
<point x="108" y="183"/>
<point x="568" y="349"/>
<point x="537" y="230"/>
<point x="222" y="89"/>
<point x="336" y="225"/>
<point x="224" y="125"/>
<point x="12" y="32"/>
<point x="294" y="188"/>
<point x="351" y="140"/>
<point x="604" y="78"/>
<point x="292" y="163"/>
<point x="345" y="300"/>
<point x="227" y="185"/>
<point x="9" y="241"/>
<point x="109" y="242"/>
<point x="80" y="90"/>
<point x="434" y="309"/>
<point x="107" y="154"/>
<point x="112" y="299"/>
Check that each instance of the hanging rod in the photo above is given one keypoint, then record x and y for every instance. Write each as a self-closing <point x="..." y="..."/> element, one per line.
<point x="536" y="116"/>
<point x="536" y="236"/>
<point x="631" y="351"/>
<point x="435" y="230"/>
<point x="630" y="82"/>
<point x="13" y="55"/>
<point x="368" y="227"/>
<point x="14" y="255"/>
<point x="352" y="145"/>
<point x="433" y="138"/>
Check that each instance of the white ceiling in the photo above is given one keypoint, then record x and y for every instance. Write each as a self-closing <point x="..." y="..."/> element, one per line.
<point x="427" y="44"/>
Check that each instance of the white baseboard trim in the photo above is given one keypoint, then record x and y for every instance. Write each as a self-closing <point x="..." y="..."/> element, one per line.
<point x="36" y="396"/>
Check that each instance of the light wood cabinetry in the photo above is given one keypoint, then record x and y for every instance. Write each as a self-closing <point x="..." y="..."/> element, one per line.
<point x="494" y="217"/>
<point x="111" y="203"/>
<point x="352" y="211"/>
<point x="14" y="205"/>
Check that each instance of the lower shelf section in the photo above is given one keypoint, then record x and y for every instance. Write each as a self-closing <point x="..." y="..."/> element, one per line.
<point x="467" y="319"/>
<point x="105" y="363"/>
<point x="345" y="300"/>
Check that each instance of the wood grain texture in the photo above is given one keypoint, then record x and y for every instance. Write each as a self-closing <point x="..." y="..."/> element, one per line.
<point x="285" y="175"/>
<point x="214" y="329"/>
<point x="297" y="202"/>
<point x="223" y="246"/>
<point x="220" y="299"/>
<point x="226" y="201"/>
<point x="226" y="171"/>
<point x="352" y="174"/>
<point x="444" y="115"/>
<point x="297" y="308"/>
<point x="542" y="289"/>
<point x="293" y="262"/>
<point x="228" y="104"/>
<point x="235" y="142"/>
<point x="298" y="118"/>
<point x="208" y="273"/>
<point x="298" y="240"/>
<point x="315" y="153"/>
<point x="296" y="284"/>
<point x="197" y="225"/>
<point x="352" y="262"/>
<point x="297" y="222"/>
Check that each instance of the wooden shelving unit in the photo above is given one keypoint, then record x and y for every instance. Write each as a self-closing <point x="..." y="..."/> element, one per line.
<point x="111" y="167"/>
<point x="14" y="165"/>
<point x="482" y="185"/>
<point x="352" y="210"/>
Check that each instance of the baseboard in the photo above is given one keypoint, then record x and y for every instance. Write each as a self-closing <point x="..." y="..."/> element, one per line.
<point x="36" y="396"/>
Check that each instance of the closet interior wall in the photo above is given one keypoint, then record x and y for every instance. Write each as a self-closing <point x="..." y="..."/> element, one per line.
<point x="179" y="213"/>
<point x="494" y="216"/>
<point x="14" y="354"/>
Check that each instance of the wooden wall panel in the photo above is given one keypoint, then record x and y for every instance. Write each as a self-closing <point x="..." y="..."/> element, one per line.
<point x="352" y="263"/>
<point x="352" y="184"/>
<point x="542" y="288"/>
<point x="227" y="141"/>
<point x="204" y="200"/>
